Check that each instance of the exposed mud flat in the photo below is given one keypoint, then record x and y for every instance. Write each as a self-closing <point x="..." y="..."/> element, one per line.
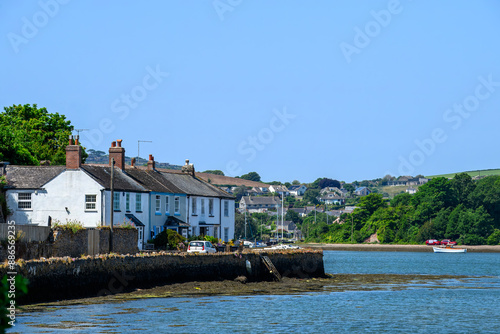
<point x="331" y="283"/>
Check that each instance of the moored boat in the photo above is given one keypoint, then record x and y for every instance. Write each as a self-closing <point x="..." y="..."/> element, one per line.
<point x="449" y="249"/>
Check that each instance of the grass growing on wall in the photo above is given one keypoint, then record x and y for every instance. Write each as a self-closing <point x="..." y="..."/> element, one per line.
<point x="71" y="225"/>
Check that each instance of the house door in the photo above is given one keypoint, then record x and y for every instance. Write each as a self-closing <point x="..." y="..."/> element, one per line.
<point x="203" y="231"/>
<point x="140" y="238"/>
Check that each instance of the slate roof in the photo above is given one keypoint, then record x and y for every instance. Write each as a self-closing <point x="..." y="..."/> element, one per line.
<point x="134" y="219"/>
<point x="31" y="177"/>
<point x="250" y="200"/>
<point x="174" y="221"/>
<point x="299" y="210"/>
<point x="194" y="186"/>
<point x="102" y="175"/>
<point x="153" y="180"/>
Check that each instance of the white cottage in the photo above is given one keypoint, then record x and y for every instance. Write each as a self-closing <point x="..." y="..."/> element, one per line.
<point x="153" y="200"/>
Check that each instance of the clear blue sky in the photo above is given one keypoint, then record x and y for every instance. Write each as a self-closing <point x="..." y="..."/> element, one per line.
<point x="349" y="90"/>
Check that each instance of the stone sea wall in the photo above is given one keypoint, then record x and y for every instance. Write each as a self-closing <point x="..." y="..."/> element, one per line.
<point x="66" y="278"/>
<point x="63" y="242"/>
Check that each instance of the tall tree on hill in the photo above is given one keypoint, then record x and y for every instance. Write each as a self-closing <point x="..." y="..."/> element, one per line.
<point x="252" y="176"/>
<point x="215" y="172"/>
<point x="329" y="183"/>
<point x="30" y="134"/>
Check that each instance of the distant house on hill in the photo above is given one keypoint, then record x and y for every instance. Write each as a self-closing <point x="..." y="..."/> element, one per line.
<point x="254" y="202"/>
<point x="362" y="191"/>
<point x="411" y="190"/>
<point x="301" y="211"/>
<point x="282" y="190"/>
<point x="297" y="190"/>
<point x="332" y="198"/>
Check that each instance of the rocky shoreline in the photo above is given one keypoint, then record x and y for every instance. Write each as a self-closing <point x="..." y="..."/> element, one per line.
<point x="330" y="283"/>
<point x="396" y="248"/>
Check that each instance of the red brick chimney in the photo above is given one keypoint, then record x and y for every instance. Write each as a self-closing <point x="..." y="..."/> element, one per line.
<point x="73" y="154"/>
<point x="117" y="152"/>
<point x="151" y="162"/>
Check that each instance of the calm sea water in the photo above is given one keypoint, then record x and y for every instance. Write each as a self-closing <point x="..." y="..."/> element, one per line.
<point x="450" y="307"/>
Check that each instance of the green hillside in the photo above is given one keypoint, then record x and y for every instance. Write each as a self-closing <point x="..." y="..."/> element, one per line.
<point x="484" y="172"/>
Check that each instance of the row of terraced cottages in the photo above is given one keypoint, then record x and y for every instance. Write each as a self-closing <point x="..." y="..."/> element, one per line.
<point x="151" y="199"/>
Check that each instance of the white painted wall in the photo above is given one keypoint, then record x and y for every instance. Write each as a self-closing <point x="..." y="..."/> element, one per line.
<point x="211" y="221"/>
<point x="63" y="198"/>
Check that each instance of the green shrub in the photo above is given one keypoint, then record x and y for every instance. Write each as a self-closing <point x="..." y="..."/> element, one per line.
<point x="494" y="238"/>
<point x="168" y="239"/>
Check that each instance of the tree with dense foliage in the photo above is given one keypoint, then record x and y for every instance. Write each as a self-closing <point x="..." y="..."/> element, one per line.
<point x="252" y="176"/>
<point x="29" y="134"/>
<point x="214" y="171"/>
<point x="325" y="182"/>
<point x="462" y="209"/>
<point x="292" y="216"/>
<point x="350" y="188"/>
<point x="311" y="196"/>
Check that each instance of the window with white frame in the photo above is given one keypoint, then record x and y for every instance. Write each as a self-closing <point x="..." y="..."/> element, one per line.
<point x="116" y="201"/>
<point x="211" y="207"/>
<point x="226" y="208"/>
<point x="167" y="207"/>
<point x="91" y="202"/>
<point x="226" y="234"/>
<point x="216" y="231"/>
<point x="202" y="206"/>
<point x="177" y="205"/>
<point x="127" y="202"/>
<point x="138" y="203"/>
<point x="193" y="206"/>
<point x="158" y="204"/>
<point x="24" y="201"/>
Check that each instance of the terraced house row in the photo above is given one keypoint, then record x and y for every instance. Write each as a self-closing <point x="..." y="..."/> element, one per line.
<point x="153" y="200"/>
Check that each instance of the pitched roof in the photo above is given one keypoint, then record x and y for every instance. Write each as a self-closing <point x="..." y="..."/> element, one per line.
<point x="152" y="180"/>
<point x="227" y="180"/>
<point x="194" y="186"/>
<point x="253" y="200"/>
<point x="296" y="187"/>
<point x="121" y="182"/>
<point x="31" y="177"/>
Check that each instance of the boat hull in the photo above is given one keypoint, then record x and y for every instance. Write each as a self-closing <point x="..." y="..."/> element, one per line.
<point x="449" y="250"/>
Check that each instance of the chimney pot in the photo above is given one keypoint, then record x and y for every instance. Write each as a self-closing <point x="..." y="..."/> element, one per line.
<point x="76" y="139"/>
<point x="119" y="142"/>
<point x="151" y="162"/>
<point x="117" y="153"/>
<point x="132" y="162"/>
<point x="187" y="161"/>
<point x="70" y="140"/>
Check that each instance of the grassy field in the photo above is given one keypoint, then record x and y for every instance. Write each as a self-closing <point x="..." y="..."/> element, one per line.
<point x="484" y="172"/>
<point x="394" y="190"/>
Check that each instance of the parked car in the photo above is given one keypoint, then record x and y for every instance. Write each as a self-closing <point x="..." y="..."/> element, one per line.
<point x="448" y="242"/>
<point x="201" y="246"/>
<point x="432" y="242"/>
